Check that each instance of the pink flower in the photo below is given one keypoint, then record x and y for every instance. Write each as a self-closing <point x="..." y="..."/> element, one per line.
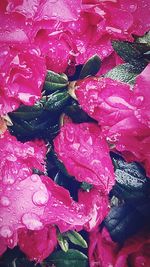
<point x="105" y="100"/>
<point x="85" y="154"/>
<point x="17" y="183"/>
<point x="22" y="75"/>
<point x="56" y="48"/>
<point x="96" y="205"/>
<point x="37" y="245"/>
<point x="104" y="252"/>
<point x="29" y="201"/>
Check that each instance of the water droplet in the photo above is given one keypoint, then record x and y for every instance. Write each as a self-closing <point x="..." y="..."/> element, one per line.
<point x="139" y="100"/>
<point x="7" y="179"/>
<point x="10" y="243"/>
<point x="34" y="177"/>
<point x="4" y="201"/>
<point x="32" y="221"/>
<point x="133" y="7"/>
<point x="6" y="231"/>
<point x="40" y="198"/>
<point x="70" y="220"/>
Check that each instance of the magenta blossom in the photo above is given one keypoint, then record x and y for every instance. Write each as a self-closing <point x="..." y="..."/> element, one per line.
<point x="22" y="75"/>
<point x="37" y="245"/>
<point x="104" y="252"/>
<point x="96" y="204"/>
<point x="105" y="100"/>
<point x="29" y="201"/>
<point x="85" y="154"/>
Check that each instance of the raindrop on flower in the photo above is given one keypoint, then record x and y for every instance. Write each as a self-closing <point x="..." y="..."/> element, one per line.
<point x="7" y="179"/>
<point x="6" y="231"/>
<point x="32" y="221"/>
<point x="4" y="201"/>
<point x="40" y="198"/>
<point x="34" y="177"/>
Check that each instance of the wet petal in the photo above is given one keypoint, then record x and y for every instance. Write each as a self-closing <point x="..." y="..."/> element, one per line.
<point x="85" y="154"/>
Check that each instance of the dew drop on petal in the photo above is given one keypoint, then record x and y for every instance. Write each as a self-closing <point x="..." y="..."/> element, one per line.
<point x="34" y="177"/>
<point x="32" y="221"/>
<point x="4" y="201"/>
<point x="6" y="231"/>
<point x="7" y="179"/>
<point x="40" y="198"/>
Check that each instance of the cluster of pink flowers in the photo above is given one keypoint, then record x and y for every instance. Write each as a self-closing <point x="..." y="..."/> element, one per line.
<point x="58" y="35"/>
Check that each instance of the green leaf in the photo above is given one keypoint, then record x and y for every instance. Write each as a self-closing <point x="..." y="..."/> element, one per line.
<point x="76" y="238"/>
<point x="55" y="81"/>
<point x="131" y="181"/>
<point x="123" y="221"/>
<point x="57" y="101"/>
<point x="144" y="39"/>
<point x="91" y="67"/>
<point x="62" y="242"/>
<point x="58" y="163"/>
<point x="131" y="53"/>
<point x="77" y="114"/>
<point x="124" y="73"/>
<point x="27" y="112"/>
<point x="71" y="258"/>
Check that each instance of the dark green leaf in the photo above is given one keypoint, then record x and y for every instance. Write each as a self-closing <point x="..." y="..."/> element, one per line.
<point x="144" y="39"/>
<point x="57" y="101"/>
<point x="124" y="73"/>
<point x="76" y="238"/>
<point x="25" y="130"/>
<point x="131" y="181"/>
<point x="76" y="113"/>
<point x="91" y="67"/>
<point x="52" y="155"/>
<point x="55" y="81"/>
<point x="123" y="221"/>
<point x="71" y="258"/>
<point x="129" y="52"/>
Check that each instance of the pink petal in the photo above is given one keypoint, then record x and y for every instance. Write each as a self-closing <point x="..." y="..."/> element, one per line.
<point x="96" y="204"/>
<point x="22" y="76"/>
<point x="105" y="100"/>
<point x="85" y="154"/>
<point x="37" y="245"/>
